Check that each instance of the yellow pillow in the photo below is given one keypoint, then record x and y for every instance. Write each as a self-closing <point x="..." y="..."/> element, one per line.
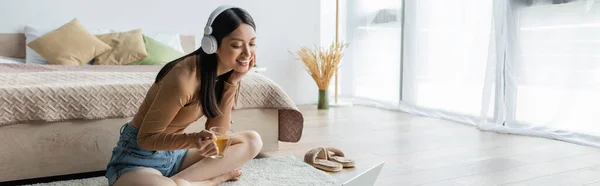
<point x="70" y="44"/>
<point x="127" y="47"/>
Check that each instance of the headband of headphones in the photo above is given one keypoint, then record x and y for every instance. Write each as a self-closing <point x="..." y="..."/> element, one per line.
<point x="208" y="29"/>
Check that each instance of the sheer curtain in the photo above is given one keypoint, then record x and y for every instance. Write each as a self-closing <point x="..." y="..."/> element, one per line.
<point x="554" y="82"/>
<point x="445" y="55"/>
<point x="427" y="57"/>
<point x="513" y="66"/>
<point x="373" y="60"/>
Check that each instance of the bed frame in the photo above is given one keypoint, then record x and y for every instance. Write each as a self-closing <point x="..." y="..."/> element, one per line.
<point x="43" y="149"/>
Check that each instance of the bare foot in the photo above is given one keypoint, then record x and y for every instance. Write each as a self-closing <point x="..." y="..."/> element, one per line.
<point x="238" y="173"/>
<point x="233" y="175"/>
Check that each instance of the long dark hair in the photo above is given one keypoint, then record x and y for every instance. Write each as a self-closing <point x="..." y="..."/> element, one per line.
<point x="211" y="86"/>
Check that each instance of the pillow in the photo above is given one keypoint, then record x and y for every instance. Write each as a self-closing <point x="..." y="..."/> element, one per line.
<point x="127" y="47"/>
<point x="171" y="40"/>
<point x="4" y="59"/>
<point x="158" y="53"/>
<point x="33" y="32"/>
<point x="70" y="44"/>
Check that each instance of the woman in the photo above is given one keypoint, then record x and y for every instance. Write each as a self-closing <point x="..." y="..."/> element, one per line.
<point x="153" y="148"/>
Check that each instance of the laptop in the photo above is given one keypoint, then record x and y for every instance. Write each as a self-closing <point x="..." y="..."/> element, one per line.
<point x="367" y="178"/>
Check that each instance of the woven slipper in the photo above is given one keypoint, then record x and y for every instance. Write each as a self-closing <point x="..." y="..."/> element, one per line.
<point x="317" y="157"/>
<point x="338" y="156"/>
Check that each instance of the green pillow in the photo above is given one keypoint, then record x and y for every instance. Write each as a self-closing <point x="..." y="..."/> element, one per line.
<point x="158" y="53"/>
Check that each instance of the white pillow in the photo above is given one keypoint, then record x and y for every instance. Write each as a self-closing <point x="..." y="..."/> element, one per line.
<point x="31" y="56"/>
<point x="32" y="32"/>
<point x="171" y="40"/>
<point x="4" y="59"/>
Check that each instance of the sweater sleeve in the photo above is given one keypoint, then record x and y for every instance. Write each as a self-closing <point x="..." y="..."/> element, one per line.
<point x="173" y="92"/>
<point x="225" y="106"/>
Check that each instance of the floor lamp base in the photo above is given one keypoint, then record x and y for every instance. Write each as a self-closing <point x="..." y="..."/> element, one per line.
<point x="341" y="103"/>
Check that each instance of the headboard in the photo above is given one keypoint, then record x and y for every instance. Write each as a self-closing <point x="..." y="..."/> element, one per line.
<point x="13" y="44"/>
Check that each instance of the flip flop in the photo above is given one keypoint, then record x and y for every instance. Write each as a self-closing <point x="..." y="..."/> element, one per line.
<point x="317" y="157"/>
<point x="338" y="156"/>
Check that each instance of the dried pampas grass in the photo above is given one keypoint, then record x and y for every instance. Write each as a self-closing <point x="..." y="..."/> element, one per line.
<point x="322" y="63"/>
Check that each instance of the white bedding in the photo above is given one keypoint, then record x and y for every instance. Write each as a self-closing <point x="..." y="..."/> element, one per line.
<point x="5" y="60"/>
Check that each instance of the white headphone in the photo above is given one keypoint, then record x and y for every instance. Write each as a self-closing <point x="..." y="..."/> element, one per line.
<point x="209" y="43"/>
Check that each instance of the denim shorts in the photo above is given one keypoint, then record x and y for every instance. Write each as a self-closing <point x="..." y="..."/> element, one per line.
<point x="128" y="156"/>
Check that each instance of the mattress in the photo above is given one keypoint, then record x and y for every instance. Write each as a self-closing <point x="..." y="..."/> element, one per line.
<point x="32" y="92"/>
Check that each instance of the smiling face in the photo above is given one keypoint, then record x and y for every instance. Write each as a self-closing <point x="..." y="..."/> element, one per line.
<point x="237" y="49"/>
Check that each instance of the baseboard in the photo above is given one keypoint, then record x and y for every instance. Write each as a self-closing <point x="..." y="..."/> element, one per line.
<point x="54" y="178"/>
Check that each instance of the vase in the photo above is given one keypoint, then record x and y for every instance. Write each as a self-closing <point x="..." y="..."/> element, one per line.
<point x="323" y="102"/>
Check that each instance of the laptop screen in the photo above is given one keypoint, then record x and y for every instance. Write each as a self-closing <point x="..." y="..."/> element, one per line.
<point x="367" y="178"/>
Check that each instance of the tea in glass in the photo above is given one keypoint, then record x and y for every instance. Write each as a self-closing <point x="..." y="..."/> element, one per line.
<point x="222" y="142"/>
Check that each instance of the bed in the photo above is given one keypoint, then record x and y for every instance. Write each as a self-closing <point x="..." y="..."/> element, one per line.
<point x="63" y="119"/>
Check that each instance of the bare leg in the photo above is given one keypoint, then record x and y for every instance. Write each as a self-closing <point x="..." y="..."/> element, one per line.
<point x="151" y="177"/>
<point x="144" y="176"/>
<point x="245" y="146"/>
<point x="210" y="182"/>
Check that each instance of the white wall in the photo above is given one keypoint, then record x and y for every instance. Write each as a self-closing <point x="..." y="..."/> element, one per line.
<point x="281" y="26"/>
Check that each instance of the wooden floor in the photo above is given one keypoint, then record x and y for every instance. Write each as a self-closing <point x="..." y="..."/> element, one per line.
<point x="433" y="152"/>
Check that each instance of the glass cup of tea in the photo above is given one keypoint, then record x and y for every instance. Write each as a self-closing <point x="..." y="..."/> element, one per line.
<point x="223" y="140"/>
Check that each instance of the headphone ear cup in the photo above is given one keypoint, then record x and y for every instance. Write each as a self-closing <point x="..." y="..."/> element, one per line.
<point x="209" y="44"/>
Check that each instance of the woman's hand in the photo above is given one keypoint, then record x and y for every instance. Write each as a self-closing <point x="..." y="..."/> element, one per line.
<point x="207" y="144"/>
<point x="237" y="76"/>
